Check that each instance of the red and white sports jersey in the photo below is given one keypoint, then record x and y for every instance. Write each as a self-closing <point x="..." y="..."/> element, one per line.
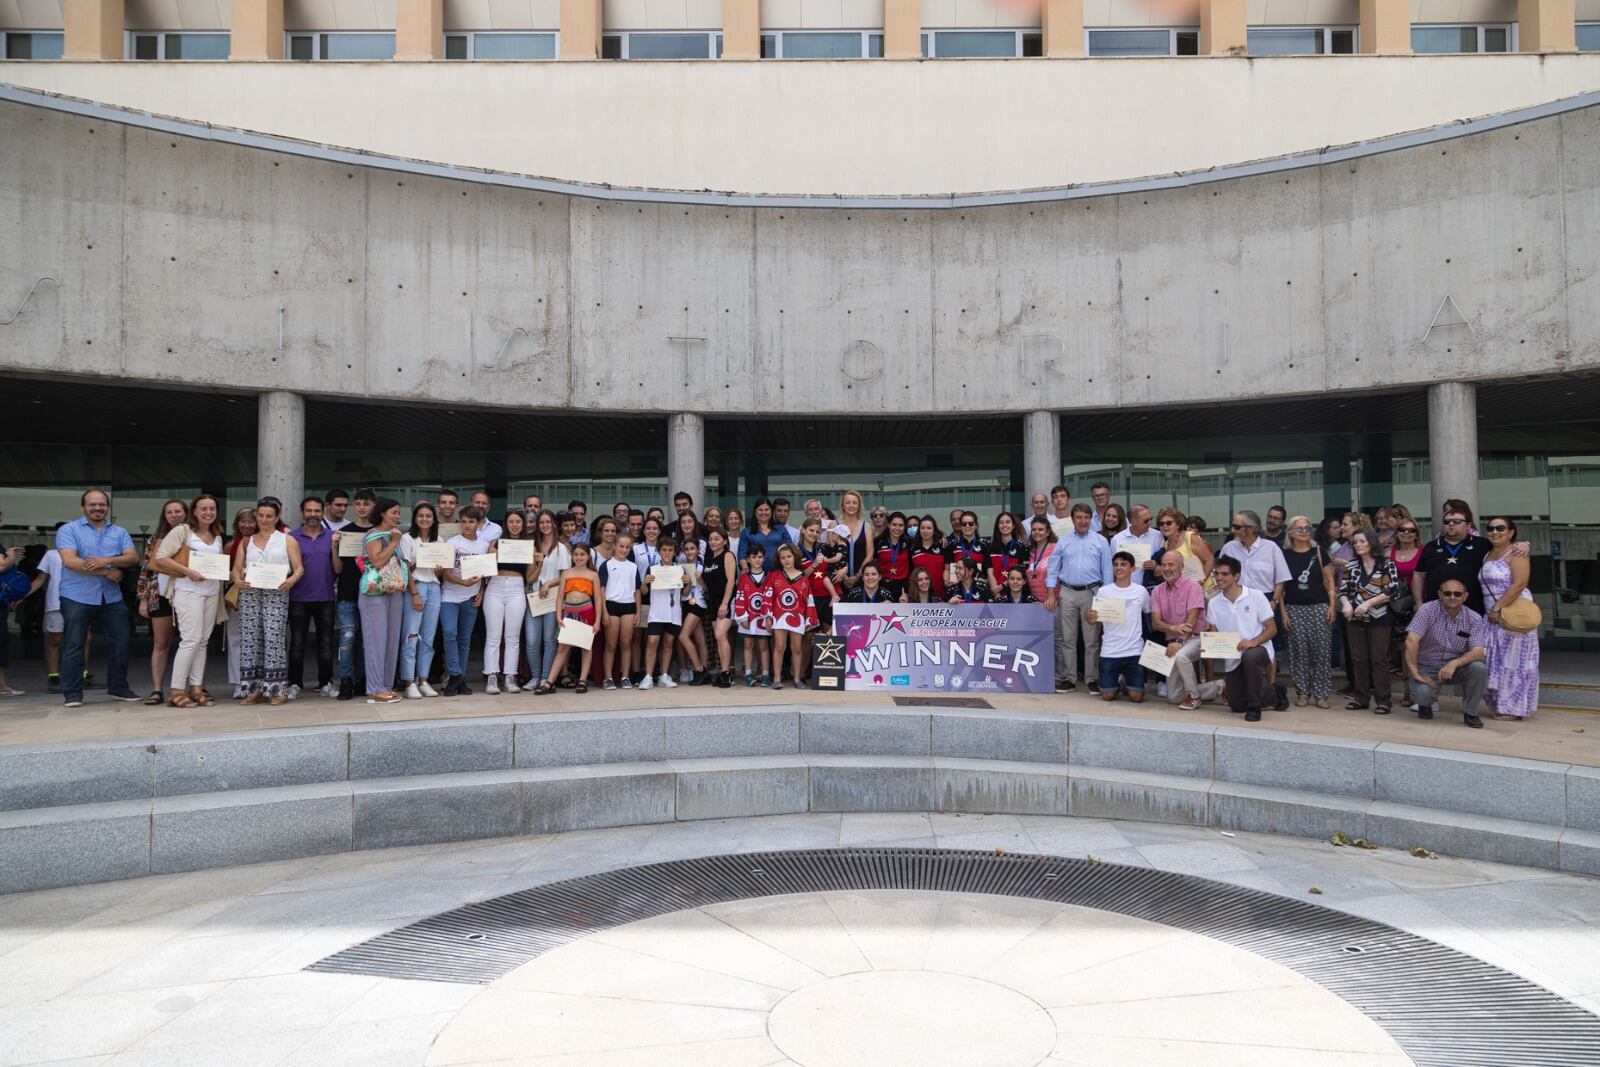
<point x="791" y="604"/>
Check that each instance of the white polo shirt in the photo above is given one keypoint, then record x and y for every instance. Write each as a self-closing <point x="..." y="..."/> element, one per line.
<point x="1248" y="616"/>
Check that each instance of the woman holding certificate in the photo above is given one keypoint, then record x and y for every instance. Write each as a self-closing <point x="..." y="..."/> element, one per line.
<point x="244" y="525"/>
<point x="265" y="571"/>
<point x="385" y="578"/>
<point x="197" y="566"/>
<point x="505" y="603"/>
<point x="422" y="552"/>
<point x="551" y="556"/>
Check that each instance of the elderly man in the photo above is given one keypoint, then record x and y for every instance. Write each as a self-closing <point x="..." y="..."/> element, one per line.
<point x="1445" y="646"/>
<point x="1262" y="568"/>
<point x="1177" y="615"/>
<point x="1140" y="533"/>
<point x="1040" y="503"/>
<point x="1079" y="566"/>
<point x="94" y="553"/>
<point x="1239" y="609"/>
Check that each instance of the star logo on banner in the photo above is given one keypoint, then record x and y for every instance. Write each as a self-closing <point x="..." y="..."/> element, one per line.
<point x="893" y="621"/>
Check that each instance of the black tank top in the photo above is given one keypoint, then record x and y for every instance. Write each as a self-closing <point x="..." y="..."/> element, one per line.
<point x="713" y="573"/>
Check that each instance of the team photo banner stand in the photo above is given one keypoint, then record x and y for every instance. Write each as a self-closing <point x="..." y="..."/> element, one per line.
<point x="947" y="648"/>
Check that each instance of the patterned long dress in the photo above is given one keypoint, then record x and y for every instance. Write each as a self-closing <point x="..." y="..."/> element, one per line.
<point x="1513" y="658"/>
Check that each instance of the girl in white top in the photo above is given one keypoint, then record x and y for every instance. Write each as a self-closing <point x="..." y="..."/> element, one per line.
<point x="619" y="577"/>
<point x="264" y="613"/>
<point x="665" y="622"/>
<point x="458" y="601"/>
<point x="693" y="638"/>
<point x="421" y="620"/>
<point x="505" y="604"/>
<point x="551" y="556"/>
<point x="195" y="598"/>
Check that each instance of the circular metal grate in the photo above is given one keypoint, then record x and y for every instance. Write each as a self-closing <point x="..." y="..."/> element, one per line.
<point x="1441" y="1006"/>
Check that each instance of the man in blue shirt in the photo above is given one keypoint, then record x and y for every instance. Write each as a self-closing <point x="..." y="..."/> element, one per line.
<point x="1080" y="565"/>
<point x="93" y="555"/>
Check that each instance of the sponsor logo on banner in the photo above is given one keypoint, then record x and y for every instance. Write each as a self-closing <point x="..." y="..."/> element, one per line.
<point x="973" y="647"/>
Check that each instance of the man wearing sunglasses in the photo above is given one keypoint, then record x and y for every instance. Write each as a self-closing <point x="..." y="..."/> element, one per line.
<point x="1445" y="646"/>
<point x="1455" y="554"/>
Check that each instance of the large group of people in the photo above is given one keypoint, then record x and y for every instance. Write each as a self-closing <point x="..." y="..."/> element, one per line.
<point x="647" y="597"/>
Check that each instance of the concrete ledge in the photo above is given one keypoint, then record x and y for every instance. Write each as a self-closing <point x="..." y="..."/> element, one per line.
<point x="1292" y="761"/>
<point x="259" y="760"/>
<point x="443" y="807"/>
<point x="737" y="733"/>
<point x="393" y="750"/>
<point x="1269" y="810"/>
<point x="573" y="740"/>
<point x="1474" y="837"/>
<point x="872" y="732"/>
<point x="1580" y="852"/>
<point x="78" y="772"/>
<point x="879" y="783"/>
<point x="1583" y="798"/>
<point x="1014" y="736"/>
<point x="1106" y="793"/>
<point x="251" y="826"/>
<point x="1016" y="788"/>
<point x="1501" y="787"/>
<point x="47" y="847"/>
<point x="731" y="788"/>
<point x="1184" y="749"/>
<point x="587" y="798"/>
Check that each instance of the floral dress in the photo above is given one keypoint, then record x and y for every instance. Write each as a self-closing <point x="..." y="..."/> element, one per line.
<point x="1513" y="658"/>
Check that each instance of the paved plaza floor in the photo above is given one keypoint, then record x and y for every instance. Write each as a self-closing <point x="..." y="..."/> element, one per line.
<point x="208" y="968"/>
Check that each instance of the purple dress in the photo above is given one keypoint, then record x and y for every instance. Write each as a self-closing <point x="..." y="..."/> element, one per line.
<point x="1513" y="658"/>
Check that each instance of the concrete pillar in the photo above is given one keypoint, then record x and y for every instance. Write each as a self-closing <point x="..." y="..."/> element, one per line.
<point x="686" y="457"/>
<point x="1041" y="453"/>
<point x="1222" y="28"/>
<point x="257" y="29"/>
<point x="1385" y="27"/>
<point x="281" y="449"/>
<point x="902" y="29"/>
<point x="1547" y="26"/>
<point x="1453" y="444"/>
<point x="741" y="32"/>
<point x="93" y="29"/>
<point x="1061" y="25"/>
<point x="581" y="25"/>
<point x="419" y="29"/>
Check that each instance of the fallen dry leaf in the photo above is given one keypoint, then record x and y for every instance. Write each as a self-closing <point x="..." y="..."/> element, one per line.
<point x="1316" y="890"/>
<point x="1092" y="858"/>
<point x="1422" y="853"/>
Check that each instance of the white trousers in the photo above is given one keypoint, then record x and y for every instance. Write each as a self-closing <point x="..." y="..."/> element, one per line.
<point x="504" y="605"/>
<point x="196" y="617"/>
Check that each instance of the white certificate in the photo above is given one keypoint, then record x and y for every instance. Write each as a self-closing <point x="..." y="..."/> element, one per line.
<point x="1155" y="658"/>
<point x="479" y="565"/>
<point x="1060" y="527"/>
<point x="663" y="577"/>
<point x="1219" y="644"/>
<point x="211" y="565"/>
<point x="543" y="605"/>
<point x="1110" y="609"/>
<point x="511" y="551"/>
<point x="1137" y="549"/>
<point x="266" y="575"/>
<point x="350" y="544"/>
<point x="448" y="530"/>
<point x="576" y="633"/>
<point x="435" y="554"/>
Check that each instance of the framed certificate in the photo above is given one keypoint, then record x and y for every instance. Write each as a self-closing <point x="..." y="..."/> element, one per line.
<point x="578" y="634"/>
<point x="664" y="577"/>
<point x="1110" y="609"/>
<point x="543" y="605"/>
<point x="436" y="554"/>
<point x="511" y="551"/>
<point x="1155" y="658"/>
<point x="213" y="565"/>
<point x="266" y="575"/>
<point x="448" y="530"/>
<point x="350" y="544"/>
<point x="479" y="565"/>
<point x="1219" y="644"/>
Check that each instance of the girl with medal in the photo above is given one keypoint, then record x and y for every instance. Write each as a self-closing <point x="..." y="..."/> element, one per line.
<point x="1041" y="546"/>
<point x="894" y="556"/>
<point x="927" y="552"/>
<point x="1006" y="548"/>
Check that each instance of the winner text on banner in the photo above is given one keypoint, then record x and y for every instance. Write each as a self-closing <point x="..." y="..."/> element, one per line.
<point x="950" y="648"/>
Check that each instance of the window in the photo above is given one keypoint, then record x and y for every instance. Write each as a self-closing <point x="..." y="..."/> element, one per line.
<point x="634" y="45"/>
<point x="341" y="46"/>
<point x="1436" y="40"/>
<point x="493" y="46"/>
<point x="831" y="44"/>
<point x="175" y="46"/>
<point x="1302" y="41"/>
<point x="979" y="44"/>
<point x="33" y="44"/>
<point x="1589" y="36"/>
<point x="1144" y="42"/>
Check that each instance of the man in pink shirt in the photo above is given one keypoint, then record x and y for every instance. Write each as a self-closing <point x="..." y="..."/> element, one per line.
<point x="1177" y="615"/>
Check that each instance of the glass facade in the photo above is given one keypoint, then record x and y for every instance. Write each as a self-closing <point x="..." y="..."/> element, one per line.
<point x="34" y="45"/>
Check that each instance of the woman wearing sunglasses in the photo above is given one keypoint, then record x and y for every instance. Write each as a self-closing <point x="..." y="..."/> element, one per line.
<point x="1513" y="656"/>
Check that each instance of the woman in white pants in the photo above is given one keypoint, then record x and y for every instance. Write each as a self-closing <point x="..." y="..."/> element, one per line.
<point x="551" y="555"/>
<point x="195" y="598"/>
<point x="504" y="605"/>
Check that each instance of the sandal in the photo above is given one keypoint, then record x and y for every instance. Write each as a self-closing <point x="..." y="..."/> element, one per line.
<point x="544" y="690"/>
<point x="1506" y="718"/>
<point x="278" y="701"/>
<point x="154" y="700"/>
<point x="180" y="699"/>
<point x="1356" y="705"/>
<point x="582" y="687"/>
<point x="201" y="698"/>
<point x="1381" y="709"/>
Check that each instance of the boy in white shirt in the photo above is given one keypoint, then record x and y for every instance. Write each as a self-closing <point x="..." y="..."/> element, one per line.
<point x="1239" y="609"/>
<point x="665" y="619"/>
<point x="459" y="599"/>
<point x="1121" y="643"/>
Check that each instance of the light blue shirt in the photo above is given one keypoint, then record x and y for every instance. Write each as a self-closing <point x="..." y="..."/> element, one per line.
<point x="1079" y="559"/>
<point x="87" y="542"/>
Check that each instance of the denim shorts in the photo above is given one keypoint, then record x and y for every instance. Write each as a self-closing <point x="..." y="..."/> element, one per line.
<point x="1126" y="666"/>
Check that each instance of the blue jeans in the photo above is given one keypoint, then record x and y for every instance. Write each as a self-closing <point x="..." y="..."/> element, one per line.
<point x="76" y="619"/>
<point x="457" y="619"/>
<point x="416" y="635"/>
<point x="539" y="642"/>
<point x="351" y="667"/>
<point x="1127" y="667"/>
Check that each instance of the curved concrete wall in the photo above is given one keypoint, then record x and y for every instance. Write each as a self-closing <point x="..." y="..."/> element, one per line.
<point x="182" y="260"/>
<point x="826" y="128"/>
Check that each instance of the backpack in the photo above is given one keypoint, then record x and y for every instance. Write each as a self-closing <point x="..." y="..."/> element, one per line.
<point x="14" y="587"/>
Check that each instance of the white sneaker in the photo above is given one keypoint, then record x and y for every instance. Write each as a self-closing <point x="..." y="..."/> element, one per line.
<point x="666" y="680"/>
<point x="412" y="692"/>
<point x="426" y="690"/>
<point x="491" y="684"/>
<point x="511" y="685"/>
<point x="686" y="675"/>
<point x="294" y="692"/>
<point x="647" y="682"/>
<point x="330" y="691"/>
